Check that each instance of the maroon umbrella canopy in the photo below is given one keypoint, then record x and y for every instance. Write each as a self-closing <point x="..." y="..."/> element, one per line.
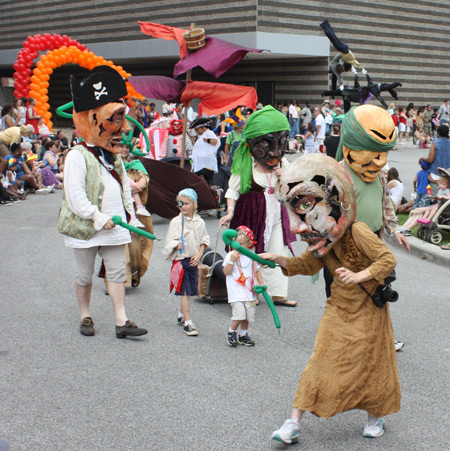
<point x="166" y="181"/>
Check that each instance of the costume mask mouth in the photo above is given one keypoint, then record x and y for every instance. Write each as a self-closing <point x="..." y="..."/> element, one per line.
<point x="269" y="149"/>
<point x="365" y="163"/>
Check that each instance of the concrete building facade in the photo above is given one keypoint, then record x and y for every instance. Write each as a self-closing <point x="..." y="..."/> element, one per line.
<point x="395" y="41"/>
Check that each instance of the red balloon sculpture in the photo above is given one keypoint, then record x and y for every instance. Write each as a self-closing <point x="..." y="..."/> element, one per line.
<point x="30" y="51"/>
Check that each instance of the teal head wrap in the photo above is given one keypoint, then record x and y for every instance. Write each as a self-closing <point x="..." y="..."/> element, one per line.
<point x="354" y="137"/>
<point x="262" y="122"/>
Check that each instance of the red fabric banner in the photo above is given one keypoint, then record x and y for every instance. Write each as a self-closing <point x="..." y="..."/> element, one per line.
<point x="165" y="32"/>
<point x="217" y="98"/>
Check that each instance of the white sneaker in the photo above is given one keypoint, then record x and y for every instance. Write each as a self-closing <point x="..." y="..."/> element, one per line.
<point x="51" y="188"/>
<point x="142" y="211"/>
<point x="42" y="191"/>
<point x="374" y="427"/>
<point x="136" y="223"/>
<point x="288" y="433"/>
<point x="212" y="213"/>
<point x="398" y="345"/>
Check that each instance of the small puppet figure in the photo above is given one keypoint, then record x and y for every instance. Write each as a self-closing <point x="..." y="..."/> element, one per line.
<point x="171" y="146"/>
<point x="362" y="94"/>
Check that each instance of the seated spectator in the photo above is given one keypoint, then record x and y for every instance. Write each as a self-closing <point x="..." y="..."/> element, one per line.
<point x="24" y="173"/>
<point x="421" y="138"/>
<point x="395" y="187"/>
<point x="10" y="182"/>
<point x="50" y="166"/>
<point x="75" y="139"/>
<point x="13" y="135"/>
<point x="43" y="129"/>
<point x="425" y="214"/>
<point x="62" y="139"/>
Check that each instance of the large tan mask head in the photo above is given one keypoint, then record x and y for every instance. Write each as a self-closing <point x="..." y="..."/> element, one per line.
<point x="365" y="147"/>
<point x="319" y="195"/>
<point x="98" y="111"/>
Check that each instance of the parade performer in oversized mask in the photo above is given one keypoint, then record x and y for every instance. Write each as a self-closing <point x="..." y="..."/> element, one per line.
<point x="353" y="365"/>
<point x="251" y="198"/>
<point x="367" y="135"/>
<point x="95" y="189"/>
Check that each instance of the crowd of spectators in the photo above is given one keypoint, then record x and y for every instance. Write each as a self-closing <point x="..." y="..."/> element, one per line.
<point x="31" y="156"/>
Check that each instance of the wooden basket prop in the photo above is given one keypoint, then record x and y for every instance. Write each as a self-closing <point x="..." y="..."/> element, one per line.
<point x="195" y="38"/>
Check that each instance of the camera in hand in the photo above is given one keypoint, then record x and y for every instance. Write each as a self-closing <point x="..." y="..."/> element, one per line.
<point x="384" y="293"/>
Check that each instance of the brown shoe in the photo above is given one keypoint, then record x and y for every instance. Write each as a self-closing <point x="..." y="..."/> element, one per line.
<point x="129" y="329"/>
<point x="87" y="327"/>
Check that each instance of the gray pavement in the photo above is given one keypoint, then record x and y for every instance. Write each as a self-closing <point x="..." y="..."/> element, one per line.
<point x="166" y="391"/>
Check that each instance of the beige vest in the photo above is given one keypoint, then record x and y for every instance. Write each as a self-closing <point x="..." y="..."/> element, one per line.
<point x="68" y="222"/>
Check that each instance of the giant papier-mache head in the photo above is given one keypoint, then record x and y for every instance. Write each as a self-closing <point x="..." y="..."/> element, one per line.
<point x="367" y="135"/>
<point x="98" y="111"/>
<point x="266" y="140"/>
<point x="320" y="198"/>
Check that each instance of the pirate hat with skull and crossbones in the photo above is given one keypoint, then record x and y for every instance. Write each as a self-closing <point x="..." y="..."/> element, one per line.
<point x="103" y="85"/>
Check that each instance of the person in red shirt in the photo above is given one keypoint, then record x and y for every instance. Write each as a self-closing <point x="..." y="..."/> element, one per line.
<point x="396" y="119"/>
<point x="32" y="118"/>
<point x="401" y="124"/>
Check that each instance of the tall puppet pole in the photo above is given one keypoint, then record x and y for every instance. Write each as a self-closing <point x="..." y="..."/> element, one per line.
<point x="183" y="142"/>
<point x="195" y="39"/>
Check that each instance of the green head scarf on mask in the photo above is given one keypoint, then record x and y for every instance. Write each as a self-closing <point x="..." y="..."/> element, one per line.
<point x="262" y="122"/>
<point x="355" y="137"/>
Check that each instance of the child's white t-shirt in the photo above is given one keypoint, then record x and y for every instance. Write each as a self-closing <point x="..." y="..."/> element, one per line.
<point x="236" y="291"/>
<point x="444" y="192"/>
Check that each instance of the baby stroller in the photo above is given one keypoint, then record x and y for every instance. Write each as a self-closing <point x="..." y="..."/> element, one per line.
<point x="439" y="225"/>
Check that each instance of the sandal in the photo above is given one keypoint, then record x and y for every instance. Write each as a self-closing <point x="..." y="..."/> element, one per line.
<point x="446" y="247"/>
<point x="284" y="302"/>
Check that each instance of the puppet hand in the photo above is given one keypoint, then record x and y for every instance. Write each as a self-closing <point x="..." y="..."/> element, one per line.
<point x="354" y="70"/>
<point x="341" y="88"/>
<point x="364" y="71"/>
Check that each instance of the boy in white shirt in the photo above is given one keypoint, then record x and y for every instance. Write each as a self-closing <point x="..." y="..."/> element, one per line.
<point x="241" y="273"/>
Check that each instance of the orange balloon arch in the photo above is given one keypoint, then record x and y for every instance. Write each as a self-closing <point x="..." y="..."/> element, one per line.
<point x="56" y="58"/>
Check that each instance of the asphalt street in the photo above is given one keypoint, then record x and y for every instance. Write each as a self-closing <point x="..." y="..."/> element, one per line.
<point x="166" y="391"/>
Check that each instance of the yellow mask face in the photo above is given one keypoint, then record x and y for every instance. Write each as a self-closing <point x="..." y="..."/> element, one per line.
<point x="365" y="163"/>
<point x="103" y="126"/>
<point x="378" y="124"/>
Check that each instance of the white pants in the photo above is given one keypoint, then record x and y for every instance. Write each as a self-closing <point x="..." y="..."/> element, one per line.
<point x="276" y="281"/>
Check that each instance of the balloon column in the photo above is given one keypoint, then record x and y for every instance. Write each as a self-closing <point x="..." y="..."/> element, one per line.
<point x="30" y="51"/>
<point x="59" y="57"/>
<point x="63" y="50"/>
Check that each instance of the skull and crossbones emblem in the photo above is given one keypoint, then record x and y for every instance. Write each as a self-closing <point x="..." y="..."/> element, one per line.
<point x="100" y="90"/>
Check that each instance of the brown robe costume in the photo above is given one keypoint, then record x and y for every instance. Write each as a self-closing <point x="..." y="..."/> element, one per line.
<point x="140" y="249"/>
<point x="353" y="364"/>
